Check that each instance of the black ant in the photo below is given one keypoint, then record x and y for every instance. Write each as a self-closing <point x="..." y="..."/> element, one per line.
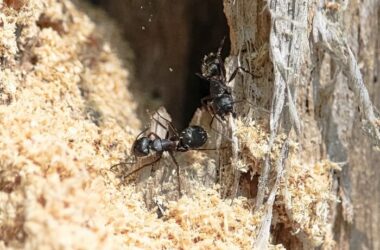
<point x="220" y="101"/>
<point x="190" y="138"/>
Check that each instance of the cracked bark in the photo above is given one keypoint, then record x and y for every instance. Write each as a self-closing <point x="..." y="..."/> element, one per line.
<point x="318" y="82"/>
<point x="316" y="61"/>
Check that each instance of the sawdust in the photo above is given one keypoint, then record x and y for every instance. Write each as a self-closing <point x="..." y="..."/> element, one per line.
<point x="304" y="197"/>
<point x="66" y="116"/>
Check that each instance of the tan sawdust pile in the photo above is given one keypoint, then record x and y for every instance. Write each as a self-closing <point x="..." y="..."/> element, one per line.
<point x="66" y="116"/>
<point x="304" y="198"/>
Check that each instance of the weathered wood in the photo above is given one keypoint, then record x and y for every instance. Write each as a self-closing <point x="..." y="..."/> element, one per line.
<point x="316" y="61"/>
<point x="316" y="65"/>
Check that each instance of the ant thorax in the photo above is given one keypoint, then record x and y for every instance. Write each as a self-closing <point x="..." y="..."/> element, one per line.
<point x="217" y="88"/>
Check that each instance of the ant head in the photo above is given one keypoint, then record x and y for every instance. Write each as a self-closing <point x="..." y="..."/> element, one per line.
<point x="210" y="66"/>
<point x="193" y="137"/>
<point x="141" y="147"/>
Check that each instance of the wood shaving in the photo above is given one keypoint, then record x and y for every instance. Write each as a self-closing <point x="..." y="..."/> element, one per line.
<point x="66" y="116"/>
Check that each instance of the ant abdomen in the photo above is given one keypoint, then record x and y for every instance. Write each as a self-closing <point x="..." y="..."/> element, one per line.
<point x="193" y="137"/>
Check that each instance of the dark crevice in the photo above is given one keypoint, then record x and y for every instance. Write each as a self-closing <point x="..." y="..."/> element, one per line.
<point x="208" y="27"/>
<point x="169" y="40"/>
<point x="282" y="234"/>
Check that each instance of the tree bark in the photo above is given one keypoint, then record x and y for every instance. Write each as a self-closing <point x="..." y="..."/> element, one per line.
<point x="317" y="83"/>
<point x="311" y="60"/>
<point x="303" y="150"/>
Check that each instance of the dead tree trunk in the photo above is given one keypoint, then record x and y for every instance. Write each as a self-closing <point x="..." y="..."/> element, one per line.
<point x="302" y="150"/>
<point x="316" y="68"/>
<point x="316" y="61"/>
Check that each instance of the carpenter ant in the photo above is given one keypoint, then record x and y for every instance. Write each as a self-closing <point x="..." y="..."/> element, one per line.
<point x="190" y="138"/>
<point x="220" y="101"/>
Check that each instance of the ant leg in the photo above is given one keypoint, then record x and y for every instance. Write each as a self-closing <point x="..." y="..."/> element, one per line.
<point x="248" y="72"/>
<point x="205" y="100"/>
<point x="212" y="113"/>
<point x="142" y="132"/>
<point x="167" y="120"/>
<point x="233" y="75"/>
<point x="216" y="131"/>
<point x="221" y="62"/>
<point x="202" y="77"/>
<point x="212" y="120"/>
<point x="178" y="177"/>
<point x="158" y="113"/>
<point x="206" y="149"/>
<point x="213" y="116"/>
<point x="169" y="124"/>
<point x="216" y="117"/>
<point x="113" y="167"/>
<point x="143" y="166"/>
<point x="154" y="134"/>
